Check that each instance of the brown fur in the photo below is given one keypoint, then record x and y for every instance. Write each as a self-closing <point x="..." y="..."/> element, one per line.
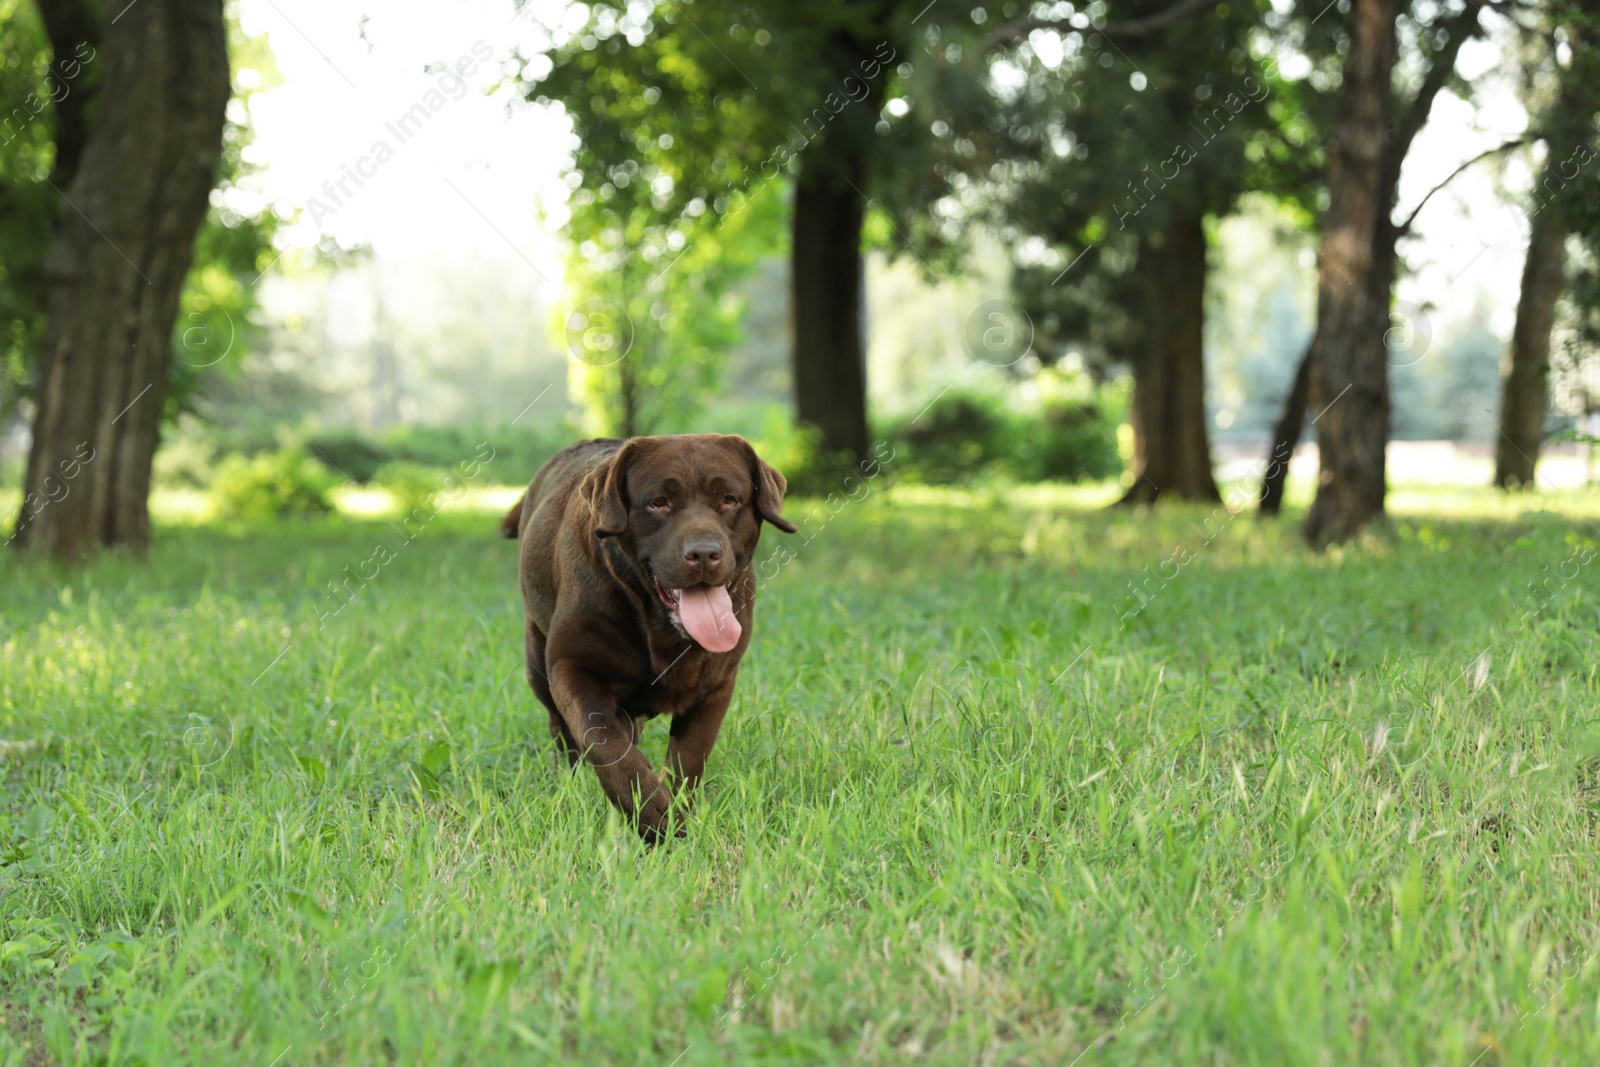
<point x="603" y="654"/>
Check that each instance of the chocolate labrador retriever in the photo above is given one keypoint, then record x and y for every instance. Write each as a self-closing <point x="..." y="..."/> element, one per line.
<point x="640" y="594"/>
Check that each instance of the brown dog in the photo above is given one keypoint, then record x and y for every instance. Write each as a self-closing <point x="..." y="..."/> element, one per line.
<point x="640" y="595"/>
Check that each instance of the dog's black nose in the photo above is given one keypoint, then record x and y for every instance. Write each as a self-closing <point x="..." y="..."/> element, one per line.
<point x="702" y="552"/>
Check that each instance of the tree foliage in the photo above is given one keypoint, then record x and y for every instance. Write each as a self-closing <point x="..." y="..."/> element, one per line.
<point x="1108" y="140"/>
<point x="690" y="122"/>
<point x="646" y="337"/>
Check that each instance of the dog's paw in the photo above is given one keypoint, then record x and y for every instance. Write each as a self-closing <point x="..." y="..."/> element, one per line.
<point x="657" y="818"/>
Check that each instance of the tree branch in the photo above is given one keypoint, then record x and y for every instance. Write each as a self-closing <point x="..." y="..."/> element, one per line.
<point x="1405" y="227"/>
<point x="1459" y="28"/>
<point x="1013" y="32"/>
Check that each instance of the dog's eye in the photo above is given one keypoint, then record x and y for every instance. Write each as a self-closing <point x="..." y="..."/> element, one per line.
<point x="660" y="503"/>
<point x="730" y="501"/>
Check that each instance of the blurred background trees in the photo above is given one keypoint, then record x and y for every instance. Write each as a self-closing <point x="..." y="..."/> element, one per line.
<point x="678" y="139"/>
<point x="1114" y="240"/>
<point x="103" y="219"/>
<point x="1564" y="102"/>
<point x="1027" y="240"/>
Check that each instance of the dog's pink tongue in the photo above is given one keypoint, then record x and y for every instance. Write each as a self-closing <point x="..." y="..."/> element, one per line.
<point x="706" y="612"/>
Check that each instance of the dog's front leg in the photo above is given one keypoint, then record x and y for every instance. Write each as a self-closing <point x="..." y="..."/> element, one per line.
<point x="694" y="732"/>
<point x="607" y="740"/>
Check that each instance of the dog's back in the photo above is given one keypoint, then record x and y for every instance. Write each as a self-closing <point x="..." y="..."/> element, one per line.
<point x="555" y="481"/>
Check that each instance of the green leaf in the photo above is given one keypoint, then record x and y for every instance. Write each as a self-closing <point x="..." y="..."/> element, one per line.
<point x="79" y="974"/>
<point x="489" y="984"/>
<point x="313" y="767"/>
<point x="428" y="783"/>
<point x="36" y="823"/>
<point x="436" y="757"/>
<point x="712" y="990"/>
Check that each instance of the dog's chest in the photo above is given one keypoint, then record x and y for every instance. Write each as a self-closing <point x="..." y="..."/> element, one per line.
<point x="677" y="683"/>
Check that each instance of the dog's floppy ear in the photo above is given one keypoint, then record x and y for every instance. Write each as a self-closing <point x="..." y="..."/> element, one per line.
<point x="605" y="491"/>
<point x="770" y="487"/>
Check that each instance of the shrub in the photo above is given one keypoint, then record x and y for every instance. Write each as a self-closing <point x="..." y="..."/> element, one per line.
<point x="358" y="457"/>
<point x="186" y="461"/>
<point x="1073" y="439"/>
<point x="1075" y="445"/>
<point x="412" y="485"/>
<point x="793" y="451"/>
<point x="1052" y="427"/>
<point x="272" y="485"/>
<point x="519" y="451"/>
<point x="957" y="435"/>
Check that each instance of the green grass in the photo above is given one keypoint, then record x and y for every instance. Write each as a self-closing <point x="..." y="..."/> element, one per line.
<point x="1300" y="809"/>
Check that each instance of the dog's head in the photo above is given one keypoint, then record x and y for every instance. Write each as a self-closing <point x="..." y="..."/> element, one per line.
<point x="687" y="511"/>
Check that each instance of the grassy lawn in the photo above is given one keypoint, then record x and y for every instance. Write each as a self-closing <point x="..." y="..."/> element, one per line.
<point x="976" y="802"/>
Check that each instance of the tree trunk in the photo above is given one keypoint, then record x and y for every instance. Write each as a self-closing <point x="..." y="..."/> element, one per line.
<point x="115" y="275"/>
<point x="1171" y="442"/>
<point x="1286" y="435"/>
<point x="628" y="388"/>
<point x="830" y="380"/>
<point x="73" y="27"/>
<point x="1349" y="377"/>
<point x="1526" y="392"/>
